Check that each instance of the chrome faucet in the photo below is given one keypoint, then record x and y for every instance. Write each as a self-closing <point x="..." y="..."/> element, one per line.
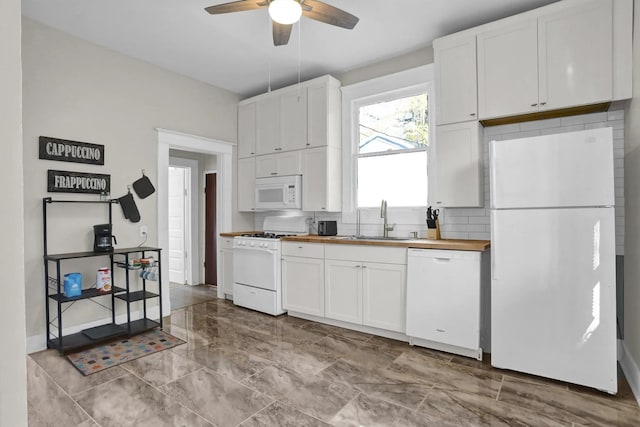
<point x="383" y="214"/>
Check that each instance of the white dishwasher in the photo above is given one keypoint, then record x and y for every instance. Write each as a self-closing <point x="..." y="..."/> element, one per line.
<point x="444" y="300"/>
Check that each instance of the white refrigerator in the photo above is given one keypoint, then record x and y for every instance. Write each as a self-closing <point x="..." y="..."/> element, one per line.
<point x="553" y="274"/>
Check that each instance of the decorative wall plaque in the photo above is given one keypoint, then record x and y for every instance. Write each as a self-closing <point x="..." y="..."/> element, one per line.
<point x="71" y="151"/>
<point x="77" y="182"/>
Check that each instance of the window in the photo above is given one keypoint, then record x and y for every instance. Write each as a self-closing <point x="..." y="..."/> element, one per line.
<point x="387" y="145"/>
<point x="392" y="152"/>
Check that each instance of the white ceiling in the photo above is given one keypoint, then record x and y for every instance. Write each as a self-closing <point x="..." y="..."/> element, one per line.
<point x="235" y="51"/>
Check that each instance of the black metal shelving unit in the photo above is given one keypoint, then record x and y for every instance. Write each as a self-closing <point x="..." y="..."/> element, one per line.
<point x="91" y="336"/>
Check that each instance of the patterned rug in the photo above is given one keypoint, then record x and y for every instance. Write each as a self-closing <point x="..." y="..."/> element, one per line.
<point x="116" y="352"/>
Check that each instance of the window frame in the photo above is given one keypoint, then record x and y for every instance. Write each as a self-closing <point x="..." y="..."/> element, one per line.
<point x="403" y="84"/>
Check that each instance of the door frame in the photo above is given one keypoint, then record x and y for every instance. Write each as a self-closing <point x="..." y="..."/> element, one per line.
<point x="204" y="226"/>
<point x="168" y="139"/>
<point x="192" y="272"/>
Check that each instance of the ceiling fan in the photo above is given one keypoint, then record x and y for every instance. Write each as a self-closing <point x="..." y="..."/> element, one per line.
<point x="285" y="13"/>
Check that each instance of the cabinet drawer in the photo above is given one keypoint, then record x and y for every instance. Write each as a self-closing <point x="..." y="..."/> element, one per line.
<point x="226" y="242"/>
<point x="305" y="250"/>
<point x="386" y="255"/>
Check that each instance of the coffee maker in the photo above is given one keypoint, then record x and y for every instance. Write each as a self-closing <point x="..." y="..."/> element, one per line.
<point x="102" y="238"/>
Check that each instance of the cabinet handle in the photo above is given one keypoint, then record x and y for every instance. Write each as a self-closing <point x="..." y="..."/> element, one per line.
<point x="543" y="103"/>
<point x="364" y="266"/>
<point x="533" y="105"/>
<point x="299" y="247"/>
<point x="308" y="144"/>
<point x="472" y="114"/>
<point x="252" y="154"/>
<point x="323" y="209"/>
<point x="274" y="173"/>
<point x="278" y="149"/>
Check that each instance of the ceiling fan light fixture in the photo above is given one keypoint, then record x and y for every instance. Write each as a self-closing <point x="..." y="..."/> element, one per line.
<point x="285" y="12"/>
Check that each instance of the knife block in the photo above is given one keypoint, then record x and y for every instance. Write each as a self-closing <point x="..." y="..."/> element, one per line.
<point x="434" y="233"/>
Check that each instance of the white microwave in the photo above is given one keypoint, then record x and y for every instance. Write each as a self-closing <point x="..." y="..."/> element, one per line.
<point x="279" y="192"/>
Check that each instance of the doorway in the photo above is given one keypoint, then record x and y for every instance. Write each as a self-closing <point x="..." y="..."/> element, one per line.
<point x="196" y="144"/>
<point x="211" y="232"/>
<point x="179" y="224"/>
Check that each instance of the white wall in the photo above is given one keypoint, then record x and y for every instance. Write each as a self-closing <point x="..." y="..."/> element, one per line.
<point x="631" y="364"/>
<point x="80" y="91"/>
<point x="13" y="379"/>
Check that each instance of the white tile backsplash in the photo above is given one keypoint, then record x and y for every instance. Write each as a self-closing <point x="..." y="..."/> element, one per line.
<point x="458" y="220"/>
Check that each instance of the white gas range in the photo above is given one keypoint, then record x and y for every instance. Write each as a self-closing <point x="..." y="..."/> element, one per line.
<point x="256" y="264"/>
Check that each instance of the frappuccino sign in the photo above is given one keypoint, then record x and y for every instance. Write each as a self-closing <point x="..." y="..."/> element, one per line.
<point x="77" y="182"/>
<point x="71" y="151"/>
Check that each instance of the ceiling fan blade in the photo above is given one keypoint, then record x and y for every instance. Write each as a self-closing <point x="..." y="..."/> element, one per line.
<point x="236" y="6"/>
<point x="328" y="14"/>
<point x="281" y="33"/>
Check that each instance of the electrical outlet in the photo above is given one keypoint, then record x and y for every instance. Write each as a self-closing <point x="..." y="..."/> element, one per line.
<point x="144" y="230"/>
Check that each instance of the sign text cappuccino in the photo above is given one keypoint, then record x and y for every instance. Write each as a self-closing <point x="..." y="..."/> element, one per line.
<point x="71" y="151"/>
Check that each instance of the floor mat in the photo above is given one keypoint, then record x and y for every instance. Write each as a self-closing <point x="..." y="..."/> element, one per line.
<point x="123" y="350"/>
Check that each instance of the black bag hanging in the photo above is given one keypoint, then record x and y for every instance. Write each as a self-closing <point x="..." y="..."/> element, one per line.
<point x="129" y="208"/>
<point x="143" y="187"/>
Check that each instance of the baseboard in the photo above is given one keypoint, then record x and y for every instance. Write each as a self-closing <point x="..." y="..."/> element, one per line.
<point x="631" y="371"/>
<point x="37" y="343"/>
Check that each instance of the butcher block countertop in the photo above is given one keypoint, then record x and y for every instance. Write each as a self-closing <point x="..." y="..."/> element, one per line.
<point x="450" y="244"/>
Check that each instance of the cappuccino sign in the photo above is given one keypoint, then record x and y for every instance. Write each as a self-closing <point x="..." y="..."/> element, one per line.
<point x="77" y="182"/>
<point x="71" y="151"/>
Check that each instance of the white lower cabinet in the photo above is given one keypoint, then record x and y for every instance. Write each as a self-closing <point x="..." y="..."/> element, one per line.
<point x="343" y="290"/>
<point x="384" y="296"/>
<point x="226" y="265"/>
<point x="363" y="292"/>
<point x="303" y="278"/>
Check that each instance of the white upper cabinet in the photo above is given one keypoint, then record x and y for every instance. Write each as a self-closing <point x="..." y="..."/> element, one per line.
<point x="508" y="70"/>
<point x="576" y="55"/>
<point x="293" y="118"/>
<point x="246" y="130"/>
<point x="559" y="58"/>
<point x="459" y="168"/>
<point x="246" y="184"/>
<point x="278" y="164"/>
<point x="321" y="183"/>
<point x="324" y="113"/>
<point x="456" y="84"/>
<point x="268" y="136"/>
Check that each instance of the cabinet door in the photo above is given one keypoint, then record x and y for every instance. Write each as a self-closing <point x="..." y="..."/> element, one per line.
<point x="456" y="82"/>
<point x="246" y="130"/>
<point x="227" y="271"/>
<point x="317" y="116"/>
<point x="321" y="179"/>
<point x="303" y="285"/>
<point x="268" y="125"/>
<point x="459" y="165"/>
<point x="267" y="166"/>
<point x="343" y="290"/>
<point x="246" y="184"/>
<point x="508" y="70"/>
<point x="289" y="163"/>
<point x="293" y="119"/>
<point x="384" y="296"/>
<point x="576" y="55"/>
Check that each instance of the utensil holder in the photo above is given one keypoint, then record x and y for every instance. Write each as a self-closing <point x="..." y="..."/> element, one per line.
<point x="433" y="233"/>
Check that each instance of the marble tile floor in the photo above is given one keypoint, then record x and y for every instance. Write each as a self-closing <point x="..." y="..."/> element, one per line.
<point x="185" y="295"/>
<point x="243" y="368"/>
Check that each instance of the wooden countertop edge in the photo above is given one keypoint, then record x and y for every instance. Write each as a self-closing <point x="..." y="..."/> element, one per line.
<point x="446" y="244"/>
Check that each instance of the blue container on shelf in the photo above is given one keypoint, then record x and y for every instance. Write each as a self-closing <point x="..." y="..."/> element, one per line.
<point x="72" y="285"/>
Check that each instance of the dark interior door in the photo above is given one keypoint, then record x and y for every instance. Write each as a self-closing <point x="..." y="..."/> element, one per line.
<point x="211" y="233"/>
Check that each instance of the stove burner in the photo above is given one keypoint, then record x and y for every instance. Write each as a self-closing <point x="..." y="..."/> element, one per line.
<point x="267" y="235"/>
